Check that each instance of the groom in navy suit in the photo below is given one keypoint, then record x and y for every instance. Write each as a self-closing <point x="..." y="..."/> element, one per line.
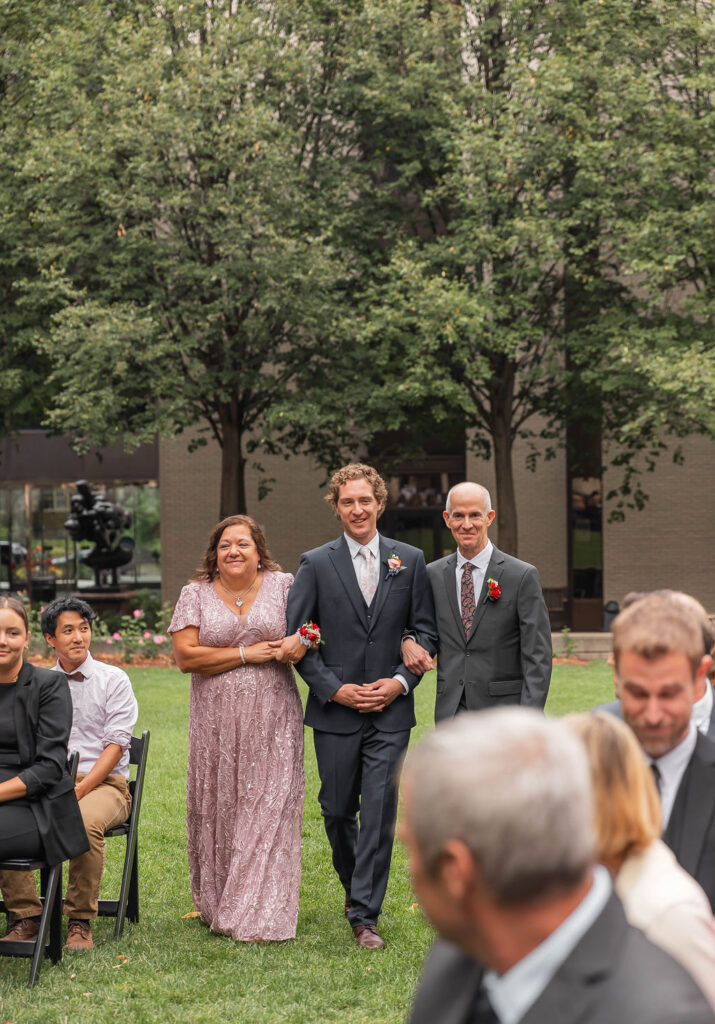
<point x="364" y="591"/>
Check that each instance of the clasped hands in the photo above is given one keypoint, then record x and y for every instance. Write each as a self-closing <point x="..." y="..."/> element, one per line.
<point x="370" y="697"/>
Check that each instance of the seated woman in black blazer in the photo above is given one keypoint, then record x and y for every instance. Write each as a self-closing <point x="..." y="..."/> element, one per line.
<point x="39" y="813"/>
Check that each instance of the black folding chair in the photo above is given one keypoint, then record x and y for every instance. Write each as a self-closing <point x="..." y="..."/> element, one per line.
<point x="49" y="937"/>
<point x="128" y="903"/>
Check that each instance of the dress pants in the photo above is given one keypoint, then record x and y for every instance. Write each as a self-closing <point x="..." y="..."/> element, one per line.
<point x="107" y="805"/>
<point x="358" y="773"/>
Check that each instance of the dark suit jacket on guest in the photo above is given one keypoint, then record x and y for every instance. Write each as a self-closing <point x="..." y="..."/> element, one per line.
<point x="43" y="718"/>
<point x="691" y="829"/>
<point x="613" y="976"/>
<point x="360" y="644"/>
<point x="507" y="657"/>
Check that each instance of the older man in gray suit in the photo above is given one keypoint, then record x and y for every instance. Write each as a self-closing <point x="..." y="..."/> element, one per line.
<point x="530" y="928"/>
<point x="493" y="626"/>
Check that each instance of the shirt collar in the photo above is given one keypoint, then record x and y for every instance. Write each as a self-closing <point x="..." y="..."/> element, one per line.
<point x="703" y="710"/>
<point x="480" y="560"/>
<point x="86" y="668"/>
<point x="512" y="993"/>
<point x="355" y="545"/>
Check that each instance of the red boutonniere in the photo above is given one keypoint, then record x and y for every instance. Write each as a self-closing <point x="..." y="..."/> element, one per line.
<point x="394" y="565"/>
<point x="309" y="634"/>
<point x="493" y="590"/>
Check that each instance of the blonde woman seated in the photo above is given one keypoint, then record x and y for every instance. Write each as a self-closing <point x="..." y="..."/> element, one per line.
<point x="659" y="897"/>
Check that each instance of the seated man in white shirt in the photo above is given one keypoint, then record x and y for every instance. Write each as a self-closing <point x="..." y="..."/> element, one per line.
<point x="498" y="821"/>
<point x="104" y="715"/>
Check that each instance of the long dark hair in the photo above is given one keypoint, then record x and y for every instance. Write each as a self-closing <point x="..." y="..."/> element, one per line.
<point x="208" y="571"/>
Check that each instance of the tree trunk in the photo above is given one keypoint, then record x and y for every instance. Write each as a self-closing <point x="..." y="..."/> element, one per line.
<point x="233" y="467"/>
<point x="507" y="520"/>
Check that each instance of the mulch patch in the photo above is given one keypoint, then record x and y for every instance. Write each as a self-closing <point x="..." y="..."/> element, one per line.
<point x="569" y="661"/>
<point x="160" y="661"/>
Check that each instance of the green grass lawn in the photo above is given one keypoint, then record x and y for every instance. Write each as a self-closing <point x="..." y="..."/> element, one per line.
<point x="176" y="970"/>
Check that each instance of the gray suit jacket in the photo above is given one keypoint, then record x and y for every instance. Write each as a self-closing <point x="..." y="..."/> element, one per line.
<point x="507" y="657"/>
<point x="613" y="976"/>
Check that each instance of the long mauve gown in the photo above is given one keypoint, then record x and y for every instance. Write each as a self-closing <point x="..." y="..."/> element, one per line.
<point x="245" y="783"/>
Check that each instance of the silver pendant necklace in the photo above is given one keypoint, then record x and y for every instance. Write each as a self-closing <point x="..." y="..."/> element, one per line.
<point x="238" y="598"/>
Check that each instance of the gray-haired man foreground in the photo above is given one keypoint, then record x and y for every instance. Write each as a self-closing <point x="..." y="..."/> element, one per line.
<point x="498" y="823"/>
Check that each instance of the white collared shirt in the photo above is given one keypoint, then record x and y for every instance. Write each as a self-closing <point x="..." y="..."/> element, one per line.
<point x="355" y="547"/>
<point x="480" y="563"/>
<point x="513" y="993"/>
<point x="703" y="710"/>
<point x="672" y="768"/>
<point x="104" y="711"/>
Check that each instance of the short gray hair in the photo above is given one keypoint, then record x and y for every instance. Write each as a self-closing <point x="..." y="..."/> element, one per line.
<point x="515" y="787"/>
<point x="485" y="494"/>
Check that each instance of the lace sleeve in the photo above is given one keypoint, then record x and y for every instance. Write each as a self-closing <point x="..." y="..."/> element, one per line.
<point x="188" y="609"/>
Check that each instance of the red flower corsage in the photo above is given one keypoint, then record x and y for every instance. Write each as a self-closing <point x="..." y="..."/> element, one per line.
<point x="309" y="635"/>
<point x="493" y="590"/>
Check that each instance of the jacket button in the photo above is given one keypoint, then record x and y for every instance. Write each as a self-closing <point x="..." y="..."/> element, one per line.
<point x="371" y="643"/>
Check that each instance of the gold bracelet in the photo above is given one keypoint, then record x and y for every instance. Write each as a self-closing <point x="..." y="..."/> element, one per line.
<point x="242" y="652"/>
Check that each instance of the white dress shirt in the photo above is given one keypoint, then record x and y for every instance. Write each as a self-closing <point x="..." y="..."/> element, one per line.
<point x="703" y="710"/>
<point x="672" y="768"/>
<point x="355" y="547"/>
<point x="104" y="711"/>
<point x="480" y="563"/>
<point x="513" y="993"/>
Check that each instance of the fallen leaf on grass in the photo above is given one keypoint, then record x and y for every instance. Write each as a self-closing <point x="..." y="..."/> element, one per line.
<point x="192" y="913"/>
<point x="72" y="977"/>
<point x="414" y="907"/>
<point x="121" y="957"/>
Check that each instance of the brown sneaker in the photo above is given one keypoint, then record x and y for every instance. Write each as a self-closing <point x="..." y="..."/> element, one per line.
<point x="24" y="930"/>
<point x="79" y="936"/>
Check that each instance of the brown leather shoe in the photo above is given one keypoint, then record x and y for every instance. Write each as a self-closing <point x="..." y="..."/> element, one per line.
<point x="348" y="904"/>
<point x="79" y="936"/>
<point x="24" y="930"/>
<point x="368" y="937"/>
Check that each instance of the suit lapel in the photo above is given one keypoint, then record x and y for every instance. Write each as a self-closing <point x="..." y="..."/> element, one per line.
<point x="449" y="580"/>
<point x="339" y="554"/>
<point x="494" y="570"/>
<point x="384" y="581"/>
<point x="698" y="787"/>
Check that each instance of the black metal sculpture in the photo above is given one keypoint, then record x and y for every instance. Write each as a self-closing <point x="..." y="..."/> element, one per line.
<point x="93" y="517"/>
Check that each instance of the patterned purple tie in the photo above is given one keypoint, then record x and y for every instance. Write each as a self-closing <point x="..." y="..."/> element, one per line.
<point x="468" y="602"/>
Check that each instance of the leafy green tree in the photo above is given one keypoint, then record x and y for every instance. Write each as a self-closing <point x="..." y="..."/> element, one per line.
<point x="187" y="181"/>
<point x="520" y="298"/>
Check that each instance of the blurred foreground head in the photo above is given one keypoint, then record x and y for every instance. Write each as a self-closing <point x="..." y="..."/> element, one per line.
<point x="498" y="812"/>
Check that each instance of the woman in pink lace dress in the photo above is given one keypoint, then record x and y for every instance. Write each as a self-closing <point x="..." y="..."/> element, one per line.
<point x="245" y="777"/>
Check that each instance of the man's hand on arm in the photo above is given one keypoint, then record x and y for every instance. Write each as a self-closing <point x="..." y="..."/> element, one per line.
<point x="415" y="658"/>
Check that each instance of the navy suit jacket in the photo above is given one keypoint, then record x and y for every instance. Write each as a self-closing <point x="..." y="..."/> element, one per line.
<point x="361" y="644"/>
